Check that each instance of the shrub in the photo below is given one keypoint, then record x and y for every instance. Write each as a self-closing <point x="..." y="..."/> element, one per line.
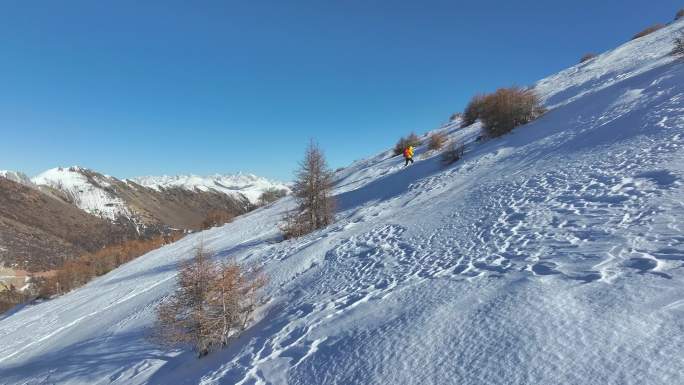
<point x="79" y="271"/>
<point x="473" y="110"/>
<point x="452" y="153"/>
<point x="271" y="195"/>
<point x="437" y="141"/>
<point x="587" y="56"/>
<point x="9" y="297"/>
<point x="312" y="191"/>
<point x="410" y="140"/>
<point x="212" y="303"/>
<point x="217" y="218"/>
<point x="678" y="49"/>
<point x="508" y="108"/>
<point x="680" y="14"/>
<point x="648" y="31"/>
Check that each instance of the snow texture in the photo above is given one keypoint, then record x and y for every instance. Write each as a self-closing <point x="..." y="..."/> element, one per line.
<point x="552" y="255"/>
<point x="251" y="186"/>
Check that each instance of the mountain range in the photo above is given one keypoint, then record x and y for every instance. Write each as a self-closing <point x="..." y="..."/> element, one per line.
<point x="553" y="254"/>
<point x="64" y="212"/>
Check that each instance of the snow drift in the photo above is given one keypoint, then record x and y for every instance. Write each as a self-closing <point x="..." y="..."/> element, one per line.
<point x="551" y="255"/>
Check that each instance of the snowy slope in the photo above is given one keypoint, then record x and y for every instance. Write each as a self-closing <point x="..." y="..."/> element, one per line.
<point x="90" y="194"/>
<point x="248" y="185"/>
<point x="552" y="255"/>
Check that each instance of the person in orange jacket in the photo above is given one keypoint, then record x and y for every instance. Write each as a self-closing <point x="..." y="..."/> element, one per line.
<point x="408" y="155"/>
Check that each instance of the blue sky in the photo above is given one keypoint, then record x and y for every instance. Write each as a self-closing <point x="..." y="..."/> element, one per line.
<point x="134" y="88"/>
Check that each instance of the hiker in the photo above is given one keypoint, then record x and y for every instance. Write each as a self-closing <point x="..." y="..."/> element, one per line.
<point x="408" y="155"/>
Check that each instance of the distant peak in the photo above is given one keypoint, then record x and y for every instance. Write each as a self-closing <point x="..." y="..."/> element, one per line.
<point x="16" y="176"/>
<point x="249" y="185"/>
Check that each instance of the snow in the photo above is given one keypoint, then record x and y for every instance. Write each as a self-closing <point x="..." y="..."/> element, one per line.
<point x="16" y="177"/>
<point x="90" y="191"/>
<point x="90" y="195"/>
<point x="552" y="255"/>
<point x="249" y="185"/>
<point x="627" y="61"/>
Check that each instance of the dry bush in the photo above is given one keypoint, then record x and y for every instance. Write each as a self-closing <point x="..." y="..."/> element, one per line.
<point x="648" y="31"/>
<point x="10" y="297"/>
<point x="403" y="143"/>
<point x="680" y="14"/>
<point x="271" y="195"/>
<point x="312" y="191"/>
<point x="508" y="108"/>
<point x="217" y="218"/>
<point x="678" y="49"/>
<point x="587" y="56"/>
<point x="473" y="110"/>
<point x="79" y="271"/>
<point x="452" y="153"/>
<point x="455" y="116"/>
<point x="294" y="225"/>
<point x="212" y="303"/>
<point x="436" y="141"/>
<point x="6" y="305"/>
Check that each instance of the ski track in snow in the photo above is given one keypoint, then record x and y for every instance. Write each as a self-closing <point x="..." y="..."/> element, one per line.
<point x="551" y="255"/>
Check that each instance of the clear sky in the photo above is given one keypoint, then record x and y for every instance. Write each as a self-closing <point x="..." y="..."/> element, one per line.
<point x="134" y="88"/>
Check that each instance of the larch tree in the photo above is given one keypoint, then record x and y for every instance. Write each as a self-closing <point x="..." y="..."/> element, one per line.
<point x="312" y="191"/>
<point x="212" y="304"/>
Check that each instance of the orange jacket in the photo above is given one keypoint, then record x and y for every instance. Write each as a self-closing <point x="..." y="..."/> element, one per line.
<point x="408" y="152"/>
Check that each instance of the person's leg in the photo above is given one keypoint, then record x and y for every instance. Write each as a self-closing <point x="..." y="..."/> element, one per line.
<point x="411" y="159"/>
<point x="406" y="161"/>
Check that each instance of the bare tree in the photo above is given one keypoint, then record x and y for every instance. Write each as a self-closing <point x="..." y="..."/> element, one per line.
<point x="437" y="141"/>
<point x="182" y="318"/>
<point x="313" y="193"/>
<point x="217" y="217"/>
<point x="586" y="57"/>
<point x="648" y="31"/>
<point x="452" y="153"/>
<point x="678" y="49"/>
<point x="473" y="110"/>
<point x="508" y="108"/>
<point x="213" y="302"/>
<point x="411" y="140"/>
<point x="271" y="195"/>
<point x="233" y="299"/>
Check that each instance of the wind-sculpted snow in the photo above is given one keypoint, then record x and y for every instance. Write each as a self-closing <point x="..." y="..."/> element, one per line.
<point x="629" y="60"/>
<point x="552" y="255"/>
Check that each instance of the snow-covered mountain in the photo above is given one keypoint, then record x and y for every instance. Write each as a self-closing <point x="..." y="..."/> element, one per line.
<point x="15" y="176"/>
<point x="249" y="185"/>
<point x="101" y="195"/>
<point x="40" y="231"/>
<point x="89" y="191"/>
<point x="178" y="202"/>
<point x="552" y="255"/>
